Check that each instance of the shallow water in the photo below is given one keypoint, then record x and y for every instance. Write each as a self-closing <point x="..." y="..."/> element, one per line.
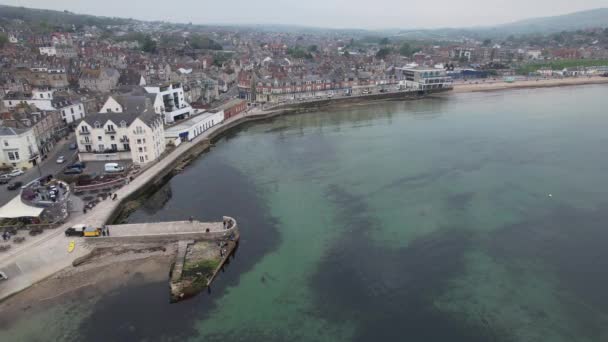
<point x="422" y="221"/>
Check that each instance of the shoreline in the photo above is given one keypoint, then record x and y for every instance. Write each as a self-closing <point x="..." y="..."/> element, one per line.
<point x="71" y="277"/>
<point x="527" y="84"/>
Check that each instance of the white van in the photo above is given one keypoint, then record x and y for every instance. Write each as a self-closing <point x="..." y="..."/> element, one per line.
<point x="113" y="167"/>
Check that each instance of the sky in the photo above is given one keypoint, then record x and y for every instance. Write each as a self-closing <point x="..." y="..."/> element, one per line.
<point x="366" y="14"/>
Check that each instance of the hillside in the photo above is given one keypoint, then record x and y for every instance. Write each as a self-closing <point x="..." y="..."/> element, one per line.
<point x="568" y="22"/>
<point x="45" y="20"/>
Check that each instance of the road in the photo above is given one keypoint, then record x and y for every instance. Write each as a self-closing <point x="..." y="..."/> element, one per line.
<point x="48" y="167"/>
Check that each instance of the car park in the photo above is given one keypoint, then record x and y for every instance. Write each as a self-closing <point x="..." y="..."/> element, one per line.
<point x="14" y="186"/>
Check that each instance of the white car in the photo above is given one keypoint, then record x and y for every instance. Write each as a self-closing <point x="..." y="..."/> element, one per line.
<point x="3" y="276"/>
<point x="60" y="160"/>
<point x="15" y="173"/>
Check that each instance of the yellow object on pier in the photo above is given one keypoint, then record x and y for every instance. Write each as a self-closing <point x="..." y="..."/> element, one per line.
<point x="71" y="246"/>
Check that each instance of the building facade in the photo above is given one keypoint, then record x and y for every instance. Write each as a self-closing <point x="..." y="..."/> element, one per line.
<point x="19" y="148"/>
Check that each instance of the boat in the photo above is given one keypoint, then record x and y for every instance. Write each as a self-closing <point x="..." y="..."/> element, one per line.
<point x="71" y="246"/>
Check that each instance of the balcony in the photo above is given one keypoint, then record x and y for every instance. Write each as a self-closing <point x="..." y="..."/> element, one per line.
<point x="85" y="142"/>
<point x="84" y="133"/>
<point x="112" y="131"/>
<point x="124" y="140"/>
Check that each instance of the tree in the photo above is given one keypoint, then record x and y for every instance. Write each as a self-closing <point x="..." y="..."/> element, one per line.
<point x="405" y="49"/>
<point x="313" y="48"/>
<point x="382" y="53"/>
<point x="487" y="42"/>
<point x="346" y="53"/>
<point x="3" y="40"/>
<point x="198" y="41"/>
<point x="385" y="41"/>
<point x="149" y="45"/>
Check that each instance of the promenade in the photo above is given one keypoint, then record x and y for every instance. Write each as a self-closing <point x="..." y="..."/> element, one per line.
<point x="39" y="258"/>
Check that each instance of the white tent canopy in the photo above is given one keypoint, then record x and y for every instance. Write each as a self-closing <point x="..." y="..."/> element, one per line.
<point x="15" y="208"/>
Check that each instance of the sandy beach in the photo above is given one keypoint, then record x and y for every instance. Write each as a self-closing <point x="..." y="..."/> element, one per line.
<point x="477" y="86"/>
<point x="107" y="269"/>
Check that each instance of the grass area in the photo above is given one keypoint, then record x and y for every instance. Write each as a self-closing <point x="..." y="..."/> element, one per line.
<point x="561" y="64"/>
<point x="205" y="267"/>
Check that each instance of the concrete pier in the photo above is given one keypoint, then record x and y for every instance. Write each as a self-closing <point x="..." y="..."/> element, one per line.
<point x="165" y="232"/>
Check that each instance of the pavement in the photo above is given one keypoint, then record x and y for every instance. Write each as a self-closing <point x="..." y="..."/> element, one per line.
<point x="47" y="167"/>
<point x="41" y="257"/>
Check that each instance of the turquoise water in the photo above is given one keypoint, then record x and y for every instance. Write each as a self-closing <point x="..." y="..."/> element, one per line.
<point x="474" y="217"/>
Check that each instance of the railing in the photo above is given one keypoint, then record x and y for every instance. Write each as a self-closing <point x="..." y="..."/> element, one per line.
<point x="84" y="133"/>
<point x="110" y="132"/>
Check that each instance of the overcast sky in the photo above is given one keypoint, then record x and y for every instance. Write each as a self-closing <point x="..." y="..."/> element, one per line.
<point x="324" y="13"/>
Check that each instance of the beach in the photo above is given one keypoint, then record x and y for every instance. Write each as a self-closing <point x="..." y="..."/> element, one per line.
<point x="480" y="85"/>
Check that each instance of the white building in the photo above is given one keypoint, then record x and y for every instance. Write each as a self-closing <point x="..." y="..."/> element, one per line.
<point x="424" y="78"/>
<point x="48" y="50"/>
<point x="170" y="102"/>
<point x="189" y="129"/>
<point x="44" y="99"/>
<point x="136" y="136"/>
<point x="19" y="147"/>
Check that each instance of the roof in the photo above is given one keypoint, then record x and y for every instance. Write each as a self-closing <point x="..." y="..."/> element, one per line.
<point x="128" y="117"/>
<point x="16" y="208"/>
<point x="4" y="131"/>
<point x="230" y="104"/>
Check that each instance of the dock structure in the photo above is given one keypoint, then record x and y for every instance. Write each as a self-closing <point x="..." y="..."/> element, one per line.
<point x="167" y="231"/>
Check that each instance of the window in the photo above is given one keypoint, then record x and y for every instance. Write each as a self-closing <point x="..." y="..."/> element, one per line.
<point x="73" y="118"/>
<point x="99" y="138"/>
<point x="141" y="149"/>
<point x="123" y="124"/>
<point x="97" y="124"/>
<point x="110" y="128"/>
<point x="80" y="107"/>
<point x="138" y="141"/>
<point x="5" y="143"/>
<point x="101" y="147"/>
<point x="141" y="159"/>
<point x="86" y="139"/>
<point x="139" y="130"/>
<point x="144" y="140"/>
<point x="146" y="157"/>
<point x="112" y="137"/>
<point x="16" y="155"/>
<point x="88" y="148"/>
<point x="84" y="129"/>
<point x="11" y="156"/>
<point x="109" y="110"/>
<point x="72" y="109"/>
<point x="125" y="147"/>
<point x="114" y="147"/>
<point x="41" y="96"/>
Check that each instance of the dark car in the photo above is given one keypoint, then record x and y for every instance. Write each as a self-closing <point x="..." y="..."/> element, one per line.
<point x="72" y="171"/>
<point x="79" y="165"/>
<point x="74" y="232"/>
<point x="14" y="186"/>
<point x="73" y="146"/>
<point x="4" y="180"/>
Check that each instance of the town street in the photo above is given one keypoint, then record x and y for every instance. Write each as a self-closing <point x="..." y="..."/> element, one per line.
<point x="47" y="167"/>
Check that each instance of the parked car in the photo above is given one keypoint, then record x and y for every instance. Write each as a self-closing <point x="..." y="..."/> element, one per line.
<point x="77" y="230"/>
<point x="15" y="173"/>
<point x="60" y="160"/>
<point x="14" y="186"/>
<point x="113" y="167"/>
<point x="79" y="165"/>
<point x="3" y="276"/>
<point x="73" y="146"/>
<point x="4" y="180"/>
<point x="72" y="171"/>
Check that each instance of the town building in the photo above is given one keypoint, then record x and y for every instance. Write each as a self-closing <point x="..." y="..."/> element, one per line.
<point x="45" y="99"/>
<point x="131" y="135"/>
<point x="170" y="102"/>
<point x="55" y="78"/>
<point x="102" y="80"/>
<point x="189" y="129"/>
<point x="421" y="78"/>
<point x="19" y="148"/>
<point x="47" y="125"/>
<point x="233" y="107"/>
